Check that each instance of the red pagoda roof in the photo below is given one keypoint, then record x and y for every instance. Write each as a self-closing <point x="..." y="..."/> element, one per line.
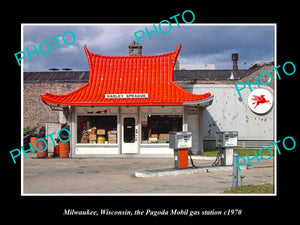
<point x="130" y="80"/>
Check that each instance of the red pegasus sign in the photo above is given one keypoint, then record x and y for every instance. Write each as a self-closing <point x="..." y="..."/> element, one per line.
<point x="262" y="98"/>
<point x="259" y="100"/>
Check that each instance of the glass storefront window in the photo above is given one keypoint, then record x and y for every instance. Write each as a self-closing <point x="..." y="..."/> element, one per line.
<point x="156" y="128"/>
<point x="97" y="129"/>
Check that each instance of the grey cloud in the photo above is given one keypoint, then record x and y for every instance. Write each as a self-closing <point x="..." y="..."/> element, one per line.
<point x="200" y="44"/>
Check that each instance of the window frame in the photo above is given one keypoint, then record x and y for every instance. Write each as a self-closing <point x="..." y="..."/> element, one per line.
<point x="97" y="111"/>
<point x="157" y="114"/>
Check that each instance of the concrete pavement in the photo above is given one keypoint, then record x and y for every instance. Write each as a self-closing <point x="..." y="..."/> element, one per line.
<point x="117" y="176"/>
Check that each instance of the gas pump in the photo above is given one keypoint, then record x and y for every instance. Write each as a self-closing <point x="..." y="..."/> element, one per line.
<point x="180" y="141"/>
<point x="225" y="141"/>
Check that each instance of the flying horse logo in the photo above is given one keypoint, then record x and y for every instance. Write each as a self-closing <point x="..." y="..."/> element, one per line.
<point x="259" y="100"/>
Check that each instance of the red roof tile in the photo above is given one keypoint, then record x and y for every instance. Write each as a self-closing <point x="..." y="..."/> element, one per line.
<point x="149" y="75"/>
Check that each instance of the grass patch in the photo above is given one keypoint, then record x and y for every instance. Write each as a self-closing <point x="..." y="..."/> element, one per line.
<point x="240" y="151"/>
<point x="263" y="188"/>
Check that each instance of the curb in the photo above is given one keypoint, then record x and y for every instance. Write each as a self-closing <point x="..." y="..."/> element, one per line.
<point x="175" y="172"/>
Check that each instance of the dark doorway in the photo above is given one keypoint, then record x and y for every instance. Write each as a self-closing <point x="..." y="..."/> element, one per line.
<point x="129" y="129"/>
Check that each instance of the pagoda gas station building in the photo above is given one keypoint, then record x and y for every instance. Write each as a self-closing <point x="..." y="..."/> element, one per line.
<point x="130" y="105"/>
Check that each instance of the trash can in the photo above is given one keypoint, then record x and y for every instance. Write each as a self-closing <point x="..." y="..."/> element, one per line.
<point x="180" y="141"/>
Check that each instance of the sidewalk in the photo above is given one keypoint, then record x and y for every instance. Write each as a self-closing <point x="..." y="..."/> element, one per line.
<point x="116" y="176"/>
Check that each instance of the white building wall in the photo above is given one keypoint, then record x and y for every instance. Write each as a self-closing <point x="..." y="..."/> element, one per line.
<point x="229" y="112"/>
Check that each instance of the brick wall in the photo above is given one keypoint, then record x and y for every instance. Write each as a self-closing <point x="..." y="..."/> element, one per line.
<point x="36" y="113"/>
<point x="265" y="77"/>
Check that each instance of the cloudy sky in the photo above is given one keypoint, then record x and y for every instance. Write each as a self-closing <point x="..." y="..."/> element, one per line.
<point x="201" y="44"/>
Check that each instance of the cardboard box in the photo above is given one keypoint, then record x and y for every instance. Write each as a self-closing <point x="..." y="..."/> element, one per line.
<point x="112" y="135"/>
<point x="164" y="136"/>
<point x="112" y="141"/>
<point x="101" y="132"/>
<point x="112" y="138"/>
<point x="84" y="139"/>
<point x="92" y="137"/>
<point x="153" y="139"/>
<point x="111" y="132"/>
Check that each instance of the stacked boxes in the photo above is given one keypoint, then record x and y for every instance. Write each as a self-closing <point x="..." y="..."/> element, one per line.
<point x="112" y="136"/>
<point x="153" y="138"/>
<point x="90" y="136"/>
<point x="164" y="136"/>
<point x="84" y="138"/>
<point x="161" y="138"/>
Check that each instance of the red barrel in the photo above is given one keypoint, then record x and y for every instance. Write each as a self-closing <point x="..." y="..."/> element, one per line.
<point x="64" y="149"/>
<point x="32" y="141"/>
<point x="56" y="151"/>
<point x="41" y="145"/>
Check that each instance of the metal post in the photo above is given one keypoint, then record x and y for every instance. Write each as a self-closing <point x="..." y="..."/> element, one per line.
<point x="242" y="177"/>
<point x="235" y="171"/>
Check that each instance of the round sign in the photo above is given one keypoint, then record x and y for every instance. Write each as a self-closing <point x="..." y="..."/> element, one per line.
<point x="260" y="101"/>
